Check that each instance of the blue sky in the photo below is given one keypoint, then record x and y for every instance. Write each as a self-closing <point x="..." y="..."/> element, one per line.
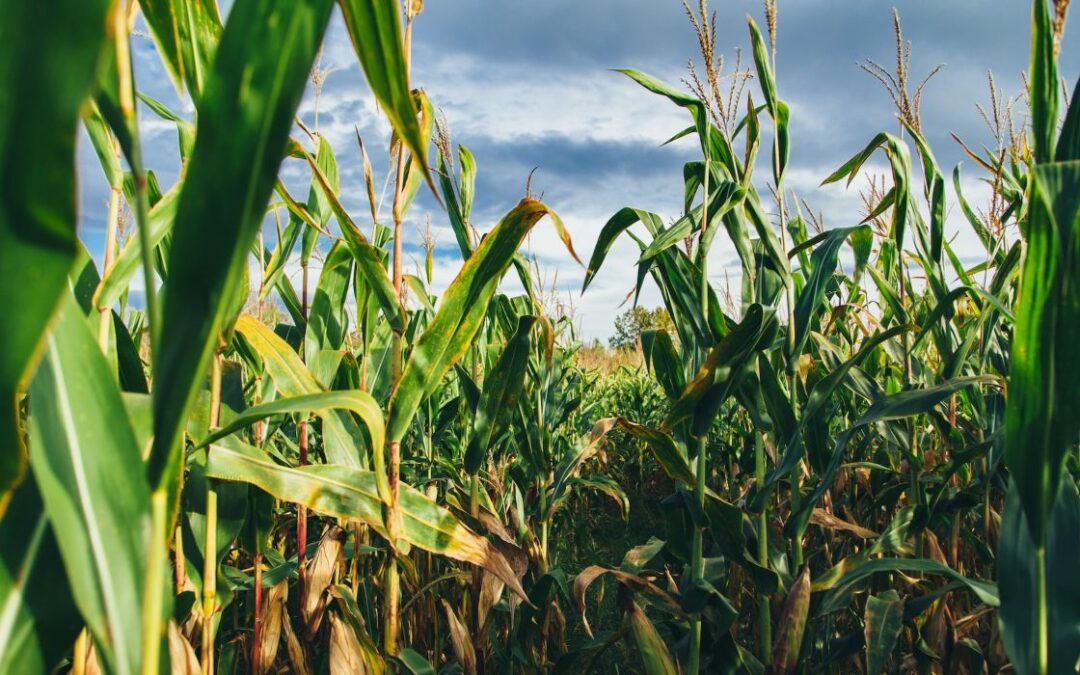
<point x="528" y="84"/>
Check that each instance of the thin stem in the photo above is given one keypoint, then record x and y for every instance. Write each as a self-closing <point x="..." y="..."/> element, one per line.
<point x="764" y="610"/>
<point x="256" y="650"/>
<point x="697" y="544"/>
<point x="697" y="562"/>
<point x="302" y="430"/>
<point x="210" y="547"/>
<point x="106" y="265"/>
<point x="1043" y="628"/>
<point x="392" y="583"/>
<point x="153" y="627"/>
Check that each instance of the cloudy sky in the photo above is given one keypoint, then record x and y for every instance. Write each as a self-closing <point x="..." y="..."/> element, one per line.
<point x="529" y="84"/>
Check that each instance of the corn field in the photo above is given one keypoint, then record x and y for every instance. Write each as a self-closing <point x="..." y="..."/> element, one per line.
<point x="860" y="460"/>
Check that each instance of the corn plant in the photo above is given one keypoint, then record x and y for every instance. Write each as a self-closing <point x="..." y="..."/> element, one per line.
<point x="361" y="473"/>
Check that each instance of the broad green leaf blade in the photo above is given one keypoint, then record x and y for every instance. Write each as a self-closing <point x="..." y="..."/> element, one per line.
<point x="839" y="590"/>
<point x="127" y="263"/>
<point x="502" y="387"/>
<point x="328" y="320"/>
<point x="461" y="312"/>
<point x="1016" y="569"/>
<point x="1068" y="147"/>
<point x="343" y="438"/>
<point x="1043" y="83"/>
<point x="38" y="617"/>
<point x="823" y="265"/>
<point x="46" y="69"/>
<point x="359" y="402"/>
<point x="245" y="114"/>
<point x="368" y="259"/>
<point x="667" y="453"/>
<point x="656" y="659"/>
<point x="412" y="661"/>
<point x="87" y="465"/>
<point x="186" y="33"/>
<point x="1043" y="416"/>
<point x="719" y="372"/>
<point x="346" y="492"/>
<point x="616" y="225"/>
<point x="374" y="27"/>
<point x="882" y="622"/>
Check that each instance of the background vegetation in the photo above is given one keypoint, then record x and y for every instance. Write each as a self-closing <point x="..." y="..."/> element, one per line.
<point x="862" y="461"/>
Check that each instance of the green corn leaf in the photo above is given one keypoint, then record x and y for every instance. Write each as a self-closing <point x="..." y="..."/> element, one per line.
<point x="900" y="161"/>
<point x="245" y="113"/>
<point x="1043" y="83"/>
<point x="160" y="223"/>
<point x="344" y="441"/>
<point x="935" y="193"/>
<point x="185" y="130"/>
<point x="368" y="259"/>
<point x="615" y="226"/>
<point x="719" y="371"/>
<point x="840" y="589"/>
<point x="374" y="27"/>
<point x="186" y="33"/>
<point x="1016" y="568"/>
<point x="882" y="622"/>
<point x="346" y="492"/>
<point x="663" y="359"/>
<point x="328" y="320"/>
<point x="101" y="138"/>
<point x="87" y="465"/>
<point x="823" y="265"/>
<point x="38" y="616"/>
<point x="46" y="70"/>
<point x="461" y="312"/>
<point x="777" y="108"/>
<point x="413" y="662"/>
<point x="1043" y="415"/>
<point x="276" y="260"/>
<point x="502" y="387"/>
<point x="667" y="453"/>
<point x="321" y="403"/>
<point x="656" y="659"/>
<point x="1068" y="147"/>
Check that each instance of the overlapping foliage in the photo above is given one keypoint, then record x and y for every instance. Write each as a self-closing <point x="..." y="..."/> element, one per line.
<point x="825" y="472"/>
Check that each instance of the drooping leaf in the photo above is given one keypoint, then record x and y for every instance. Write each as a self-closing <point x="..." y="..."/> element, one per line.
<point x="346" y="492"/>
<point x="839" y="590"/>
<point x="882" y="622"/>
<point x="656" y="659"/>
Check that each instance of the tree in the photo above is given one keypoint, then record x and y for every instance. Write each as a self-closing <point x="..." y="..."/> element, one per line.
<point x="630" y="324"/>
